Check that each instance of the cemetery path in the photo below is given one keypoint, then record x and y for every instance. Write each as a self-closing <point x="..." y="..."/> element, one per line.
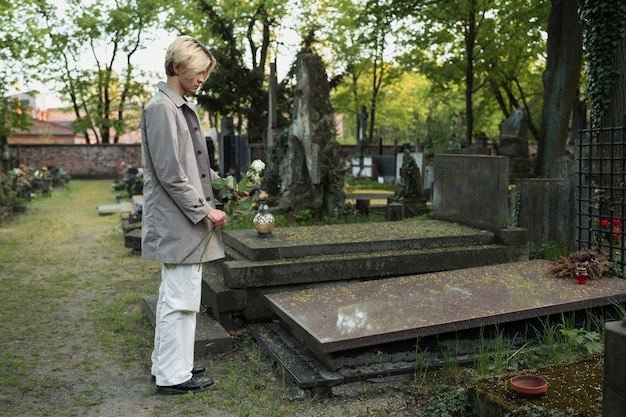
<point x="74" y="341"/>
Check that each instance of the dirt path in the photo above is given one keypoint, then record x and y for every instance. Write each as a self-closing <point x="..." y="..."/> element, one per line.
<point x="74" y="341"/>
<point x="61" y="263"/>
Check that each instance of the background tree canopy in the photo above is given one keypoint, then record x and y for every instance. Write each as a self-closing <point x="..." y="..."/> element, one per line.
<point x="442" y="70"/>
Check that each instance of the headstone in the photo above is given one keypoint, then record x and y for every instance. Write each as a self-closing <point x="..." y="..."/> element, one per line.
<point x="515" y="126"/>
<point x="514" y="143"/>
<point x="362" y="124"/>
<point x="471" y="190"/>
<point x="211" y="147"/>
<point x="362" y="142"/>
<point x="547" y="209"/>
<point x="271" y="116"/>
<point x="226" y="138"/>
<point x="429" y="179"/>
<point x="309" y="171"/>
<point x="614" y="393"/>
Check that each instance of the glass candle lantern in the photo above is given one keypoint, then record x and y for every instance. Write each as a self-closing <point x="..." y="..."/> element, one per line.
<point x="264" y="221"/>
<point x="581" y="275"/>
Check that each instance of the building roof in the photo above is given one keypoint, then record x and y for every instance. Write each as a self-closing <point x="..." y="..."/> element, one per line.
<point x="45" y="132"/>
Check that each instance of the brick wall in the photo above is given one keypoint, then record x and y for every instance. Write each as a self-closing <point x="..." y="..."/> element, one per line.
<point x="104" y="161"/>
<point x="82" y="161"/>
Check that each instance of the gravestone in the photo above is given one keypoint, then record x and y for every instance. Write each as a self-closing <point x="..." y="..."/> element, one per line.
<point x="471" y="190"/>
<point x="410" y="191"/>
<point x="614" y="394"/>
<point x="514" y="144"/>
<point x="311" y="171"/>
<point x="362" y="142"/>
<point x="546" y="208"/>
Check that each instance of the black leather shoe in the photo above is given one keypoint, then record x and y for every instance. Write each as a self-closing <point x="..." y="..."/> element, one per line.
<point x="195" y="384"/>
<point x="196" y="370"/>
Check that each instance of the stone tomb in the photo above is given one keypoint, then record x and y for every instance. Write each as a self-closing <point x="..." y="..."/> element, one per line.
<point x="333" y="334"/>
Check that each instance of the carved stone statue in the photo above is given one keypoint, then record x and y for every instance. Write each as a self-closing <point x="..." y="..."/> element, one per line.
<point x="410" y="191"/>
<point x="410" y="179"/>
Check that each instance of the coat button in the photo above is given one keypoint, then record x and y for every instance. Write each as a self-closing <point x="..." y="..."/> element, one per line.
<point x="203" y="175"/>
<point x="208" y="198"/>
<point x="195" y="129"/>
<point x="199" y="152"/>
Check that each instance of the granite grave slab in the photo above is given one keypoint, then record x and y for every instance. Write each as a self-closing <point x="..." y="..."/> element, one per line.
<point x="331" y="319"/>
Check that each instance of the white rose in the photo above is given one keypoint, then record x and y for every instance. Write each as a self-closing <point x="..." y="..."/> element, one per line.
<point x="257" y="166"/>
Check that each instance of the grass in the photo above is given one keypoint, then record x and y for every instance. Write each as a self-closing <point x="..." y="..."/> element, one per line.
<point x="74" y="341"/>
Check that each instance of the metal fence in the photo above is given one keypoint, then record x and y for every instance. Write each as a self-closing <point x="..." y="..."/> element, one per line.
<point x="601" y="190"/>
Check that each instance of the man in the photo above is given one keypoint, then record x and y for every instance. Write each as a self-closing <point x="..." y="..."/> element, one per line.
<point x="179" y="215"/>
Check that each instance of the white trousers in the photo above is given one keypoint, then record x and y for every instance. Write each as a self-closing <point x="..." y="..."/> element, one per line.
<point x="175" y="330"/>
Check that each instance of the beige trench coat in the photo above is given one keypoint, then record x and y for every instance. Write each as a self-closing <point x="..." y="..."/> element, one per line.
<point x="177" y="183"/>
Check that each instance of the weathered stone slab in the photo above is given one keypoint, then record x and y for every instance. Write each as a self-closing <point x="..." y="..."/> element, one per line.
<point x="211" y="337"/>
<point x="325" y="268"/>
<point x="217" y="296"/>
<point x="299" y="242"/>
<point x="335" y="318"/>
<point x="132" y="239"/>
<point x="547" y="209"/>
<point x="614" y="393"/>
<point x="472" y="190"/>
<point x="108" y="209"/>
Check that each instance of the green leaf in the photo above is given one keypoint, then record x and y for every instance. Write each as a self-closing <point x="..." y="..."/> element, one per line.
<point x="245" y="205"/>
<point x="244" y="184"/>
<point x="218" y="183"/>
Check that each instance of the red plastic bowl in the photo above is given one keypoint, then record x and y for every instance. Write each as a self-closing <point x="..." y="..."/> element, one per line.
<point x="529" y="385"/>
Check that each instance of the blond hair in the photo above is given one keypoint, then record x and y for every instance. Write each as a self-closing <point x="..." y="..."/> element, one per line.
<point x="192" y="57"/>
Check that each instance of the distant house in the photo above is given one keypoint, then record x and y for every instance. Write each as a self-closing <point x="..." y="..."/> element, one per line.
<point x="53" y="126"/>
<point x="45" y="132"/>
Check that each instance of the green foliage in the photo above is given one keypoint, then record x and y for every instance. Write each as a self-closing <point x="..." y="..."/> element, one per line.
<point x="354" y="39"/>
<point x="362" y="183"/>
<point x="552" y="341"/>
<point x="587" y="342"/>
<point x="535" y="411"/>
<point x="456" y="48"/>
<point x="444" y="401"/>
<point x="604" y="21"/>
<point x="620" y="308"/>
<point x="549" y="251"/>
<point x="15" y="115"/>
<point x="240" y="34"/>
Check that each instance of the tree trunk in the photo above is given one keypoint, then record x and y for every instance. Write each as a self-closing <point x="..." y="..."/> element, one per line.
<point x="470" y="40"/>
<point x="560" y="80"/>
<point x="4" y="154"/>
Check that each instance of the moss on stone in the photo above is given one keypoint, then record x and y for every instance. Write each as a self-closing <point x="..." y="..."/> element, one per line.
<point x="572" y="387"/>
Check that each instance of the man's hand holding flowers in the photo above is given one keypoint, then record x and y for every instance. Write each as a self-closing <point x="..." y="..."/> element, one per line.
<point x="235" y="194"/>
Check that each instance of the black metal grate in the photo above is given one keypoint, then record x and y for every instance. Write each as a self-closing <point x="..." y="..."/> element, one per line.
<point x="601" y="190"/>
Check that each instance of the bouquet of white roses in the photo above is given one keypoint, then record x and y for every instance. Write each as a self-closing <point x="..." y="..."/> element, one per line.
<point x="236" y="194"/>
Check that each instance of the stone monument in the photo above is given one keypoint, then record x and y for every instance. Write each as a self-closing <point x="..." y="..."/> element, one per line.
<point x="311" y="170"/>
<point x="514" y="144"/>
<point x="410" y="191"/>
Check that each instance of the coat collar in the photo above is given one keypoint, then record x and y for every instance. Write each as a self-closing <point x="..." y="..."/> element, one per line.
<point x="172" y="94"/>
